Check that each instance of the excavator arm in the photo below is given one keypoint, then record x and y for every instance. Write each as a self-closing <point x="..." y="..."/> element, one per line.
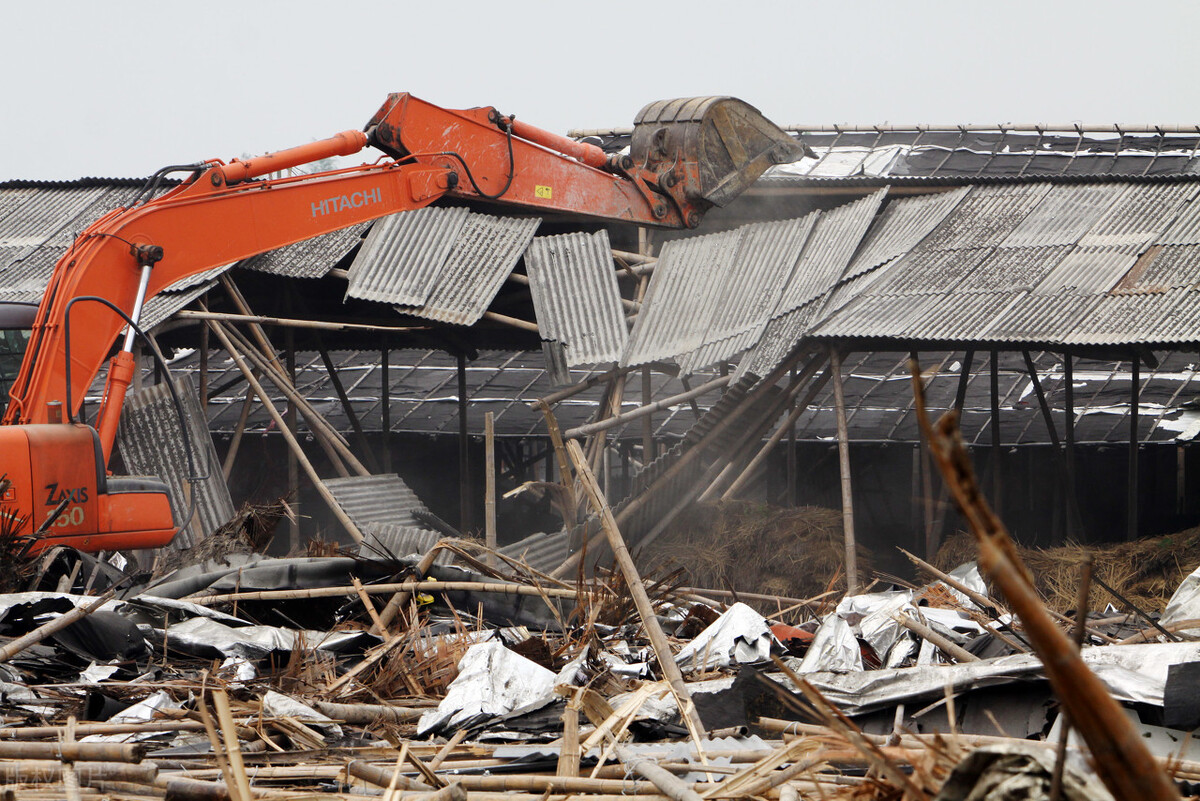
<point x="686" y="157"/>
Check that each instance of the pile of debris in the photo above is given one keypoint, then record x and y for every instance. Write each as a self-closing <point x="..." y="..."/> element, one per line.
<point x="339" y="676"/>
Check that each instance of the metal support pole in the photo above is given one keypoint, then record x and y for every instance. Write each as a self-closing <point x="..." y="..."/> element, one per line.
<point x="464" y="477"/>
<point x="835" y="359"/>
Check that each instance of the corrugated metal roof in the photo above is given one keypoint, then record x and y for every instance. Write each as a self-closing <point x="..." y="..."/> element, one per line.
<point x="573" y="282"/>
<point x="159" y="308"/>
<point x="393" y="539"/>
<point x="1185" y="230"/>
<point x="1172" y="266"/>
<point x="903" y="224"/>
<point x="1121" y="319"/>
<point x="1089" y="269"/>
<point x="833" y="242"/>
<point x="1064" y="215"/>
<point x="689" y="280"/>
<point x="541" y="551"/>
<point x="986" y="216"/>
<point x="403" y="256"/>
<point x="765" y="259"/>
<point x="931" y="273"/>
<point x="151" y="444"/>
<point x="484" y="254"/>
<point x="311" y="258"/>
<point x="376" y="499"/>
<point x="1041" y="318"/>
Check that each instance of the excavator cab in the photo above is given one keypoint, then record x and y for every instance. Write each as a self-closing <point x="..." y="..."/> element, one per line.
<point x="76" y="503"/>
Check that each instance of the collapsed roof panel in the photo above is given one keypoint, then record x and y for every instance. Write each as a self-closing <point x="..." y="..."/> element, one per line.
<point x="689" y="280"/>
<point x="404" y="254"/>
<point x="310" y="258"/>
<point x="484" y="255"/>
<point x="152" y="445"/>
<point x="573" y="282"/>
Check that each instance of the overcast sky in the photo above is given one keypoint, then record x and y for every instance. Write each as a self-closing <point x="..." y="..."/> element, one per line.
<point x="122" y="87"/>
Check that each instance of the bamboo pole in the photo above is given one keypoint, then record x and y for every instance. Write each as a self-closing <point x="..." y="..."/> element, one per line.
<point x="515" y="322"/>
<point x="835" y="360"/>
<point x="670" y="785"/>
<point x="1121" y="758"/>
<point x="788" y="425"/>
<point x="401" y="598"/>
<point x="233" y="747"/>
<point x="52" y="627"/>
<point x="335" y="446"/>
<point x="73" y="752"/>
<point x="500" y="588"/>
<point x="489" y="500"/>
<point x="658" y="640"/>
<point x="949" y="648"/>
<point x="46" y="771"/>
<point x="642" y="411"/>
<point x="568" y="754"/>
<point x="384" y="777"/>
<point x="564" y="464"/>
<point x="236" y="442"/>
<point x="285" y="322"/>
<point x="322" y="490"/>
<point x="582" y="386"/>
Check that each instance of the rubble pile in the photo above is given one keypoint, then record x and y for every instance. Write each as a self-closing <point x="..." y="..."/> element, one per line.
<point x="343" y="676"/>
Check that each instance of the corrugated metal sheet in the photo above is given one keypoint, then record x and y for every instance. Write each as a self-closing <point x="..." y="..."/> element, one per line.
<point x="1173" y="266"/>
<point x="404" y="254"/>
<point x="151" y="444"/>
<point x="541" y="551"/>
<point x="47" y="213"/>
<point x="1009" y="268"/>
<point x="834" y="240"/>
<point x="483" y="256"/>
<point x="1121" y="319"/>
<point x="986" y="216"/>
<point x="689" y="279"/>
<point x="778" y="340"/>
<point x="573" y="282"/>
<point x="925" y="273"/>
<point x="376" y="499"/>
<point x="1136" y="217"/>
<point x="311" y="258"/>
<point x="395" y="540"/>
<point x="901" y="226"/>
<point x="1041" y="318"/>
<point x="1064" y="215"/>
<point x="1185" y="230"/>
<point x="1090" y="269"/>
<point x="765" y="260"/>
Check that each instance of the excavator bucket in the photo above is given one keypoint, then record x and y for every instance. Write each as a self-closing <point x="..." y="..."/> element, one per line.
<point x="723" y="144"/>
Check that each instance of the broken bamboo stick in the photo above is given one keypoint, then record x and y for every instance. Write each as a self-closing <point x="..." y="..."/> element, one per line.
<point x="500" y="588"/>
<point x="362" y="714"/>
<point x="947" y="647"/>
<point x="633" y="580"/>
<point x="293" y="444"/>
<point x="641" y="411"/>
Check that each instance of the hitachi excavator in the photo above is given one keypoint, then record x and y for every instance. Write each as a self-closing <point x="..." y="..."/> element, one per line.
<point x="686" y="156"/>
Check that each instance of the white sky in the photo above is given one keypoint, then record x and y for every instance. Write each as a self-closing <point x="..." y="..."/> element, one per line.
<point x="122" y="87"/>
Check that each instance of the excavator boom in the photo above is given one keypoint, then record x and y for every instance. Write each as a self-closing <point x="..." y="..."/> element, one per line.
<point x="686" y="157"/>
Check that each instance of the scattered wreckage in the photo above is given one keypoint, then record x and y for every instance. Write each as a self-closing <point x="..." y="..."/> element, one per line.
<point x="339" y="676"/>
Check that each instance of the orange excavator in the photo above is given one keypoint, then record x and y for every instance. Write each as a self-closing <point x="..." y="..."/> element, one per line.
<point x="686" y="156"/>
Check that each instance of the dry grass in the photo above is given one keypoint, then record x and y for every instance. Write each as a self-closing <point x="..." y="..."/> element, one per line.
<point x="1146" y="571"/>
<point x="753" y="548"/>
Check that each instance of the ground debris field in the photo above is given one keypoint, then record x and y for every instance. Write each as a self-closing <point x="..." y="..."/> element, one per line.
<point x="474" y="676"/>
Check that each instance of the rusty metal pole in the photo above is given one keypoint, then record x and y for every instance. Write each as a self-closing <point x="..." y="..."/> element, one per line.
<point x="835" y="359"/>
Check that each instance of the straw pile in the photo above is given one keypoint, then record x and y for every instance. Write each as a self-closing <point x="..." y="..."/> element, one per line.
<point x="1146" y="571"/>
<point x="797" y="552"/>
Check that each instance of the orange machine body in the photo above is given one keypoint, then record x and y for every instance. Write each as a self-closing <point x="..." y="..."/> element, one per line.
<point x="46" y="465"/>
<point x="221" y="216"/>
